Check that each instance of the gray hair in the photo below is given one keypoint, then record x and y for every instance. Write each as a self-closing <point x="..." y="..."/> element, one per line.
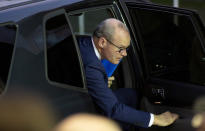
<point x="107" y="29"/>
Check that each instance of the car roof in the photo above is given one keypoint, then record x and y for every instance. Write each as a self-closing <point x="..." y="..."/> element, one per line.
<point x="5" y="4"/>
<point x="15" y="10"/>
<point x="13" y="3"/>
<point x="8" y="4"/>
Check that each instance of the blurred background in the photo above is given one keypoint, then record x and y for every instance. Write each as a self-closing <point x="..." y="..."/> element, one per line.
<point x="197" y="5"/>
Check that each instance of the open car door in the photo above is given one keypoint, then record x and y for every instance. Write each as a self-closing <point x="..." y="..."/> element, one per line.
<point x="171" y="44"/>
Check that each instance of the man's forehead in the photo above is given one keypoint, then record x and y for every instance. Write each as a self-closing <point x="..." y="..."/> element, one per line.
<point x="121" y="34"/>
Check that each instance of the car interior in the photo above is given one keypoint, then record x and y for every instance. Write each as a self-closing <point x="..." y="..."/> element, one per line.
<point x="123" y="75"/>
<point x="7" y="40"/>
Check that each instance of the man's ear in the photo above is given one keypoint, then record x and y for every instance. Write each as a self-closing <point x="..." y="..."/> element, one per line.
<point x="102" y="42"/>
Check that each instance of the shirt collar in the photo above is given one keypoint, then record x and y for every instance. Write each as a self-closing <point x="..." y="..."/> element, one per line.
<point x="95" y="49"/>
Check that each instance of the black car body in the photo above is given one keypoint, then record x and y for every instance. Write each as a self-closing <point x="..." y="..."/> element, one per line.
<point x="165" y="63"/>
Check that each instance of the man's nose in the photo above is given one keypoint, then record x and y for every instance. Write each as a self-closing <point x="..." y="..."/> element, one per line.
<point x="124" y="53"/>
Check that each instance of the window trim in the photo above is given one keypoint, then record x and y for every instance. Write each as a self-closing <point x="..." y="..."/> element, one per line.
<point x="12" y="57"/>
<point x="63" y="85"/>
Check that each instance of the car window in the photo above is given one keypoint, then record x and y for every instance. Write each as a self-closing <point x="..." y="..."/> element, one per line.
<point x="173" y="49"/>
<point x="7" y="40"/>
<point x="63" y="64"/>
<point x="84" y="23"/>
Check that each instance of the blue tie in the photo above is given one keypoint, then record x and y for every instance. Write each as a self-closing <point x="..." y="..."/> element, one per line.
<point x="109" y="67"/>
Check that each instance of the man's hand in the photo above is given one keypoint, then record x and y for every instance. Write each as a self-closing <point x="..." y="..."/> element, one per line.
<point x="110" y="79"/>
<point x="165" y="119"/>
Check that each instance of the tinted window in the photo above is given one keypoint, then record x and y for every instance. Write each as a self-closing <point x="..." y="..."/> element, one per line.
<point x="172" y="48"/>
<point x="84" y="23"/>
<point x="7" y="40"/>
<point x="62" y="59"/>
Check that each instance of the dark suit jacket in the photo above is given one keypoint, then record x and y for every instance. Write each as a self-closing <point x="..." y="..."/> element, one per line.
<point x="103" y="97"/>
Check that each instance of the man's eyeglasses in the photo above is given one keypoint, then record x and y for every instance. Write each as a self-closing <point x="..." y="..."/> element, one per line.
<point x="120" y="48"/>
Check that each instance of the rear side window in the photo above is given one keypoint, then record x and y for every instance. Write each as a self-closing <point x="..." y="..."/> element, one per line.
<point x="62" y="59"/>
<point x="7" y="40"/>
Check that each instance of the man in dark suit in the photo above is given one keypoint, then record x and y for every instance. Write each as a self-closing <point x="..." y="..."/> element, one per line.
<point x="110" y="41"/>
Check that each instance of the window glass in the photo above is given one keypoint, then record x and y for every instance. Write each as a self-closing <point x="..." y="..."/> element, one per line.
<point x="7" y="40"/>
<point x="172" y="48"/>
<point x="85" y="23"/>
<point x="62" y="60"/>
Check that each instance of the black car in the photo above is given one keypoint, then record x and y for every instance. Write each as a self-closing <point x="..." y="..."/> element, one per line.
<point x="165" y="63"/>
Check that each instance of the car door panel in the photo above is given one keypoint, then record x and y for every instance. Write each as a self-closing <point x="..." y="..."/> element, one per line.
<point x="163" y="78"/>
<point x="172" y="41"/>
<point x="30" y="67"/>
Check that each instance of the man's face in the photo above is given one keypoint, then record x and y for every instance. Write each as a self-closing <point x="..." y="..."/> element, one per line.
<point x="115" y="49"/>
